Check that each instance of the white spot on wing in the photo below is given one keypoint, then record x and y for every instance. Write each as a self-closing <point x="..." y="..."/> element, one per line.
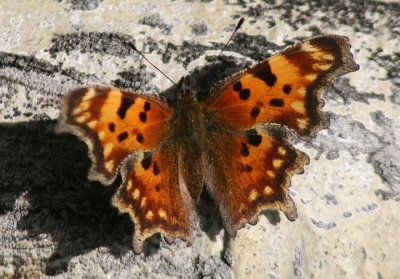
<point x="311" y="77"/>
<point x="277" y="163"/>
<point x="298" y="107"/>
<point x="281" y="150"/>
<point x="101" y="135"/>
<point x="90" y="94"/>
<point x="268" y="190"/>
<point x="308" y="47"/>
<point x="92" y="124"/>
<point x="162" y="214"/>
<point x="149" y="215"/>
<point x="109" y="165"/>
<point x="143" y="202"/>
<point x="83" y="117"/>
<point x="253" y="195"/>
<point x="107" y="149"/>
<point x="136" y="194"/>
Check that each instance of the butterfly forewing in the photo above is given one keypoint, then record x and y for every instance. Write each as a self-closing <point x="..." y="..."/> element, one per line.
<point x="284" y="89"/>
<point x="114" y="124"/>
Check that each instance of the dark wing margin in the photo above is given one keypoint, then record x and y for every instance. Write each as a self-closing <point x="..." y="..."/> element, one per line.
<point x="284" y="89"/>
<point x="251" y="172"/>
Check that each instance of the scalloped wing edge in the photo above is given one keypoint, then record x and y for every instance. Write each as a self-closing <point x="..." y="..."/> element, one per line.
<point x="64" y="127"/>
<point x="348" y="66"/>
<point x="287" y="206"/>
<point x="139" y="238"/>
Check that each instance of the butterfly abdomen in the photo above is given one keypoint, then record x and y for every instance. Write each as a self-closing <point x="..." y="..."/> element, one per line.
<point x="189" y="129"/>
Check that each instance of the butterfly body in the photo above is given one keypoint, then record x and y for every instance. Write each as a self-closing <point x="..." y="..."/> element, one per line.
<point x="188" y="124"/>
<point x="234" y="141"/>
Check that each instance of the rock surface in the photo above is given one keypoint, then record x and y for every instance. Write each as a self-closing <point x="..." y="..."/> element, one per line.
<point x="55" y="223"/>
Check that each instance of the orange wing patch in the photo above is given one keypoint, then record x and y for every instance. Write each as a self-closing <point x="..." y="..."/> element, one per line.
<point x="114" y="124"/>
<point x="284" y="89"/>
<point x="154" y="198"/>
<point x="256" y="168"/>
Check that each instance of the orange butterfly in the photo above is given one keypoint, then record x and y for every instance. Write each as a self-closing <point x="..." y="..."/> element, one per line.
<point x="233" y="142"/>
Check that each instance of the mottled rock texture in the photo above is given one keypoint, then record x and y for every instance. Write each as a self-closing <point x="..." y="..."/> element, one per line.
<point x="54" y="222"/>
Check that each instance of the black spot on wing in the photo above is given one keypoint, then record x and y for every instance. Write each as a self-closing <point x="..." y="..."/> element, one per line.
<point x="244" y="94"/>
<point x="253" y="138"/>
<point x="143" y="116"/>
<point x="111" y="127"/>
<point x="276" y="102"/>
<point x="244" y="151"/>
<point x="255" y="112"/>
<point x="146" y="106"/>
<point x="248" y="168"/>
<point x="287" y="88"/>
<point x="237" y="86"/>
<point x="126" y="103"/>
<point x="139" y="138"/>
<point x="266" y="75"/>
<point x="123" y="136"/>
<point x="156" y="169"/>
<point x="146" y="162"/>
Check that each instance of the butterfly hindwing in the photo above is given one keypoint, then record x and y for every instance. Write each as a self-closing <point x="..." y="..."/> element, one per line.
<point x="284" y="89"/>
<point x="154" y="197"/>
<point x="114" y="124"/>
<point x="252" y="175"/>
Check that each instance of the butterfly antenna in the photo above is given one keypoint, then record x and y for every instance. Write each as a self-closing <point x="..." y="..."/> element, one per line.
<point x="227" y="43"/>
<point x="129" y="43"/>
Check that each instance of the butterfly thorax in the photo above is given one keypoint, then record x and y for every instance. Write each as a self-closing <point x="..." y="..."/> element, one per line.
<point x="189" y="134"/>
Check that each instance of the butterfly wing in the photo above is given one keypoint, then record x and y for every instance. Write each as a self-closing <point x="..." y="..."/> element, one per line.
<point x="284" y="89"/>
<point x="250" y="164"/>
<point x="128" y="133"/>
<point x="154" y="197"/>
<point x="114" y="124"/>
<point x="253" y="174"/>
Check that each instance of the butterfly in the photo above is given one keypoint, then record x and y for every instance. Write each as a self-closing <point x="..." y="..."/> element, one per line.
<point x="234" y="142"/>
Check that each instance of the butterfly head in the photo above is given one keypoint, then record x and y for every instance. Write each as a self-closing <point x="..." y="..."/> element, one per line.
<point x="184" y="93"/>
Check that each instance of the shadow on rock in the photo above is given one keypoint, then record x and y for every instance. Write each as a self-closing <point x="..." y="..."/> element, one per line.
<point x="52" y="170"/>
